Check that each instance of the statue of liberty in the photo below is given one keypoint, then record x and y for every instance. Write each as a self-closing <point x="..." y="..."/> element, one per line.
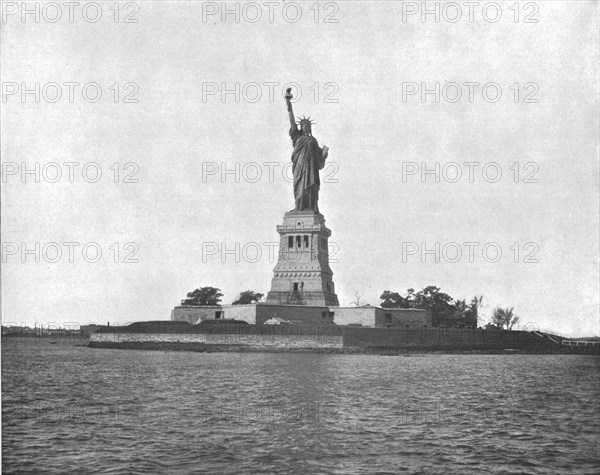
<point x="307" y="158"/>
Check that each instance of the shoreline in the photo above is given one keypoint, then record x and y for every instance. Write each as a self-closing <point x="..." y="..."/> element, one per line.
<point x="430" y="350"/>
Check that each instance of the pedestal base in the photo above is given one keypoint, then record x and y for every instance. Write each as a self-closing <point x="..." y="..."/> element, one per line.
<point x="302" y="275"/>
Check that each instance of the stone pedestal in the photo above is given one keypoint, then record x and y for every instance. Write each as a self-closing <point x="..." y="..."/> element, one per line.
<point x="302" y="275"/>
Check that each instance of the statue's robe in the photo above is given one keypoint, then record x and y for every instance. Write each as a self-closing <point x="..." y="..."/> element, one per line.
<point x="307" y="159"/>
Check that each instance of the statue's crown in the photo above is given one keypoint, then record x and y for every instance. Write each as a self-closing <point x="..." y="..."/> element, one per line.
<point x="304" y="120"/>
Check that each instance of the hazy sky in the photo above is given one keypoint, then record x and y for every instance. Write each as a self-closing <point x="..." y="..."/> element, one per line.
<point x="182" y="133"/>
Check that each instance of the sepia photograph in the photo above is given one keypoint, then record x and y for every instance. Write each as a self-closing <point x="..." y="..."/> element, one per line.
<point x="300" y="237"/>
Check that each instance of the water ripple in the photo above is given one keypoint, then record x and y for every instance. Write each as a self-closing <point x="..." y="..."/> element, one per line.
<point x="75" y="409"/>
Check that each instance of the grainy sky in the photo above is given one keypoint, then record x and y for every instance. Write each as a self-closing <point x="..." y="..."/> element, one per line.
<point x="351" y="70"/>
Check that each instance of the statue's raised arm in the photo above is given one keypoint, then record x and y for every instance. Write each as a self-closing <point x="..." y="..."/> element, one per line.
<point x="288" y="100"/>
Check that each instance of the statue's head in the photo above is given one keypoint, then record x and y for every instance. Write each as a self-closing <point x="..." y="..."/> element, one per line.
<point x="305" y="125"/>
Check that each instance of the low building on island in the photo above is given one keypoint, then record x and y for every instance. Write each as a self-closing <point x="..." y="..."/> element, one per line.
<point x="261" y="313"/>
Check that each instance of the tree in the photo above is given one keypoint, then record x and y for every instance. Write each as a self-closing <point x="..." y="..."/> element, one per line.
<point x="504" y="317"/>
<point x="438" y="303"/>
<point x="430" y="298"/>
<point x="393" y="300"/>
<point x="472" y="311"/>
<point x="498" y="317"/>
<point x="461" y="306"/>
<point x="511" y="318"/>
<point x="248" y="297"/>
<point x="356" y="300"/>
<point x="203" y="296"/>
